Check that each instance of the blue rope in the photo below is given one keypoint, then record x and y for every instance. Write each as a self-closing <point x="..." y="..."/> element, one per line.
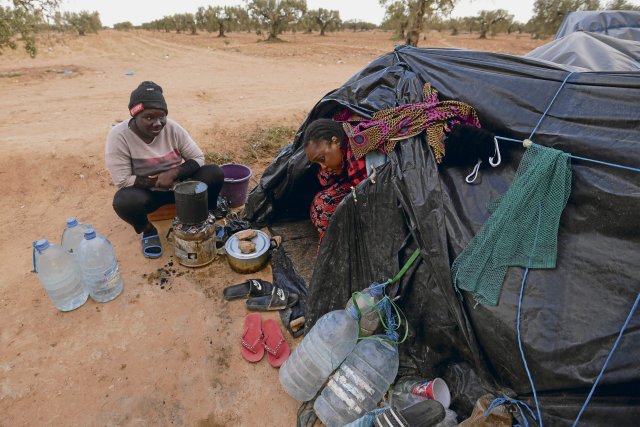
<point x="607" y="163"/>
<point x="586" y="159"/>
<point x="520" y="404"/>
<point x="606" y="362"/>
<point x="392" y="325"/>
<point x="524" y="359"/>
<point x="572" y="156"/>
<point x="504" y="399"/>
<point x="550" y="104"/>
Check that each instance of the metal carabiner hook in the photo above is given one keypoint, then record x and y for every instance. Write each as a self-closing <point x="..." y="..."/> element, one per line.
<point x="497" y="153"/>
<point x="471" y="178"/>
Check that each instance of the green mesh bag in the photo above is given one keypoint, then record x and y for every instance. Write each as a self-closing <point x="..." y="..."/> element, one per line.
<point x="523" y="227"/>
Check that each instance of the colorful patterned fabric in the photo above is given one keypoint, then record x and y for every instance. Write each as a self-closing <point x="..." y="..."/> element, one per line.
<point x="387" y="127"/>
<point x="337" y="188"/>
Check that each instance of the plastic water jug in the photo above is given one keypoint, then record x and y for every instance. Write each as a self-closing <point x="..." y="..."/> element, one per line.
<point x="99" y="266"/>
<point x="366" y="300"/>
<point x="72" y="235"/>
<point x="321" y="351"/>
<point x="359" y="383"/>
<point x="60" y="275"/>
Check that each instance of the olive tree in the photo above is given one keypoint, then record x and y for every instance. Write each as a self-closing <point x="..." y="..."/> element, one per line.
<point x="19" y="20"/>
<point x="396" y="18"/>
<point x="83" y="22"/>
<point x="276" y="15"/>
<point x="218" y="18"/>
<point x="308" y="22"/>
<point x="123" y="26"/>
<point x="410" y="14"/>
<point x="489" y="19"/>
<point x="327" y="19"/>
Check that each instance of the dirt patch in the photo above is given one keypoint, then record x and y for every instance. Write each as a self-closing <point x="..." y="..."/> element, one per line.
<point x="27" y="74"/>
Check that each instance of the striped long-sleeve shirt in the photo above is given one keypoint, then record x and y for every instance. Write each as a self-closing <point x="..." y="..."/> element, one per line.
<point x="128" y="156"/>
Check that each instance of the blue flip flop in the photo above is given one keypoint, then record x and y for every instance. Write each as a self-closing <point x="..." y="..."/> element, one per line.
<point x="152" y="247"/>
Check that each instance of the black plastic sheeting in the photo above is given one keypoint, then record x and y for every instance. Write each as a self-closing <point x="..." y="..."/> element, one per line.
<point x="571" y="315"/>
<point x="591" y="52"/>
<point x="622" y="24"/>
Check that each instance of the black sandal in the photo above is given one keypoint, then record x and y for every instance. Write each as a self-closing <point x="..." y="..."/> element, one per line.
<point x="248" y="288"/>
<point x="278" y="300"/>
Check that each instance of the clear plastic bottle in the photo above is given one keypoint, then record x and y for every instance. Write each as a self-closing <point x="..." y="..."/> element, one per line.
<point x="72" y="235"/>
<point x="321" y="351"/>
<point x="366" y="301"/>
<point x="359" y="383"/>
<point x="59" y="275"/>
<point x="99" y="266"/>
<point x="402" y="399"/>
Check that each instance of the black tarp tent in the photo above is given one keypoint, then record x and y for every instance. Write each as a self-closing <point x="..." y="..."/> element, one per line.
<point x="571" y="315"/>
<point x="622" y="24"/>
<point x="604" y="40"/>
<point x="584" y="51"/>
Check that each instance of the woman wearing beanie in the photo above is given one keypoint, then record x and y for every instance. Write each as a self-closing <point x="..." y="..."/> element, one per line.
<point x="146" y="156"/>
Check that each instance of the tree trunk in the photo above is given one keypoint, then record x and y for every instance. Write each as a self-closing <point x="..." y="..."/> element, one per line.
<point x="221" y="30"/>
<point x="273" y="31"/>
<point x="483" y="31"/>
<point x="401" y="31"/>
<point x="322" y="27"/>
<point x="415" y="22"/>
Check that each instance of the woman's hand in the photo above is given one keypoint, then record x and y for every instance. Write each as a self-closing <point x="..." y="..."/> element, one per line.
<point x="167" y="179"/>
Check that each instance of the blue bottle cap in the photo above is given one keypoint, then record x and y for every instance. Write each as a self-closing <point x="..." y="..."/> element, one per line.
<point x="89" y="233"/>
<point x="72" y="222"/>
<point x="41" y="245"/>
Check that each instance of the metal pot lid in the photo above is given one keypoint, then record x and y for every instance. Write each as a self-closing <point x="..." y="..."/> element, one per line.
<point x="262" y="242"/>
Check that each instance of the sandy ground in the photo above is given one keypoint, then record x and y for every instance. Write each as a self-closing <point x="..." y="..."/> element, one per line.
<point x="157" y="355"/>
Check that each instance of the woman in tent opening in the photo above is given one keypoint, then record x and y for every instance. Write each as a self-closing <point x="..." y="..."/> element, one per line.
<point x="339" y="147"/>
<point x="325" y="143"/>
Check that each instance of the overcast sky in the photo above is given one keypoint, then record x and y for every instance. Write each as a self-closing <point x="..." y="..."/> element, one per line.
<point x="139" y="11"/>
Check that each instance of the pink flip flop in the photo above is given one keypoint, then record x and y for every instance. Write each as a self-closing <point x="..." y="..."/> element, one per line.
<point x="275" y="345"/>
<point x="252" y="338"/>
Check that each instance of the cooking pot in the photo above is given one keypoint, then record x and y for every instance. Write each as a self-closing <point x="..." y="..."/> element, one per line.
<point x="248" y="263"/>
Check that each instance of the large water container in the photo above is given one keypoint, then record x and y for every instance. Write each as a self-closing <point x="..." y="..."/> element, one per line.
<point x="359" y="383"/>
<point x="99" y="266"/>
<point x="72" y="235"/>
<point x="321" y="351"/>
<point x="60" y="275"/>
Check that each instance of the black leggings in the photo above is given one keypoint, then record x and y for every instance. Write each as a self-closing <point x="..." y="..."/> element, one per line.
<point x="133" y="204"/>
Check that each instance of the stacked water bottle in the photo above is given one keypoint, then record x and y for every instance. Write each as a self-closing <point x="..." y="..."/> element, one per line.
<point x="83" y="264"/>
<point x="363" y="370"/>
